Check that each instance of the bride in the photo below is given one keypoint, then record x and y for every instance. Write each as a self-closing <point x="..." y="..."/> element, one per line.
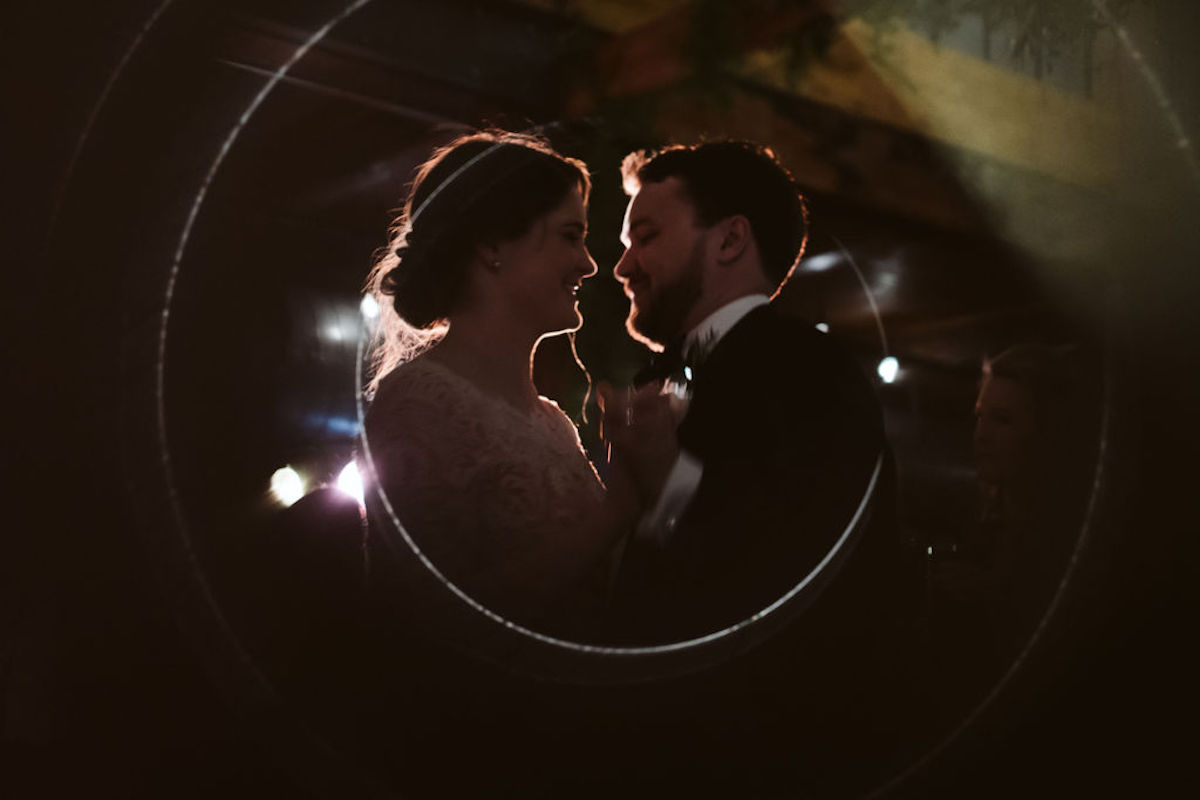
<point x="486" y="476"/>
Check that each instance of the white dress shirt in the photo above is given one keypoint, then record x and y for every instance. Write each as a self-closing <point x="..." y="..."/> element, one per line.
<point x="659" y="522"/>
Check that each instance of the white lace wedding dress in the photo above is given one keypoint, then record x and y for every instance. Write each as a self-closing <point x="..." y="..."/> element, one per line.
<point x="490" y="494"/>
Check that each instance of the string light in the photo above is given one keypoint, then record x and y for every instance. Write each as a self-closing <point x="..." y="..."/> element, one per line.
<point x="287" y="485"/>
<point x="888" y="369"/>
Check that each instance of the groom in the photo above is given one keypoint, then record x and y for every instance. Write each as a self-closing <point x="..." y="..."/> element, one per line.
<point x="779" y="448"/>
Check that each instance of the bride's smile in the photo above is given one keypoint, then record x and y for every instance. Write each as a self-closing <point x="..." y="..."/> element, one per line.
<point x="540" y="272"/>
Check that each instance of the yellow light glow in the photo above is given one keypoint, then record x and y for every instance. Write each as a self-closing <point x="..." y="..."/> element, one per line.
<point x="287" y="485"/>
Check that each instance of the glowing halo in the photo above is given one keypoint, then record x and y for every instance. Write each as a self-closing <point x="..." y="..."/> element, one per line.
<point x="862" y="281"/>
<point x="1081" y="542"/>
<point x="77" y="152"/>
<point x="609" y="650"/>
<point x="1084" y="539"/>
<point x="837" y="552"/>
<point x="252" y="681"/>
<point x="168" y="297"/>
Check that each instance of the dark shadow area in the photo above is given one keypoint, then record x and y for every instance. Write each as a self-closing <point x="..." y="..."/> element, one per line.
<point x="168" y="628"/>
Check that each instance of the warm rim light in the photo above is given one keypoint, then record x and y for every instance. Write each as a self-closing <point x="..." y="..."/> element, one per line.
<point x="287" y="485"/>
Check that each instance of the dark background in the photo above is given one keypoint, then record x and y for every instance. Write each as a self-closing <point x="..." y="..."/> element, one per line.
<point x="108" y="690"/>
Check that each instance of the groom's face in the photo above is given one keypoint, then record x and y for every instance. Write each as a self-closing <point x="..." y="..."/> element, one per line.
<point x="662" y="268"/>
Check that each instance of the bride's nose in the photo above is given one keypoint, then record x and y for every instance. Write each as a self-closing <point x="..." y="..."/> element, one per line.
<point x="587" y="265"/>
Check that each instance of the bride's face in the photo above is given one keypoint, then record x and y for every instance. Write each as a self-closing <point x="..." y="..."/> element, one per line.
<point x="540" y="272"/>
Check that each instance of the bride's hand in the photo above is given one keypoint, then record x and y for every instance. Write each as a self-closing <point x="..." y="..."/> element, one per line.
<point x="639" y="427"/>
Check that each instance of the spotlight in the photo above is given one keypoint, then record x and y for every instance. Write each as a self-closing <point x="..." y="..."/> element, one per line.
<point x="888" y="368"/>
<point x="821" y="262"/>
<point x="349" y="481"/>
<point x="287" y="485"/>
<point x="368" y="307"/>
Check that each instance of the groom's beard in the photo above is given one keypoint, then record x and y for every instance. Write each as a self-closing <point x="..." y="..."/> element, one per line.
<point x="659" y="317"/>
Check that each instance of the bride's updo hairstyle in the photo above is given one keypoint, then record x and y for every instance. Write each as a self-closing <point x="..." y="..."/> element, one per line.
<point x="482" y="188"/>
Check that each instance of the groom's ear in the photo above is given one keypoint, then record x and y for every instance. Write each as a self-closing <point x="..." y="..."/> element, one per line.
<point x="734" y="237"/>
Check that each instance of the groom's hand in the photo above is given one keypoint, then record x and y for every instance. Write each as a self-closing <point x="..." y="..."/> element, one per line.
<point x="639" y="427"/>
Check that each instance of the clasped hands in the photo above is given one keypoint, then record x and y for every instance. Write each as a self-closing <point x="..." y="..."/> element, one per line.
<point x="639" y="426"/>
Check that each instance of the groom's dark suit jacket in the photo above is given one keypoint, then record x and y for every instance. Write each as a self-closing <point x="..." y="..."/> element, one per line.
<point x="789" y="431"/>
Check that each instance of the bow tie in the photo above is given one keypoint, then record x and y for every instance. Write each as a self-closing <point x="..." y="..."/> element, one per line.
<point x="669" y="364"/>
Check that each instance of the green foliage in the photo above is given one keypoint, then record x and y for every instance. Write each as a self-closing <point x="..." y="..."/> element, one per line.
<point x="1036" y="32"/>
<point x="1040" y="30"/>
<point x="718" y="28"/>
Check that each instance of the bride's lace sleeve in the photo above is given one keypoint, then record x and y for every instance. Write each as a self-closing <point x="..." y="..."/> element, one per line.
<point x="498" y="501"/>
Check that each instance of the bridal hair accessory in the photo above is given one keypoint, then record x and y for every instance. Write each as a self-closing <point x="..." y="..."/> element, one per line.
<point x="453" y="176"/>
<point x="424" y="279"/>
<point x="536" y="131"/>
<point x="446" y="183"/>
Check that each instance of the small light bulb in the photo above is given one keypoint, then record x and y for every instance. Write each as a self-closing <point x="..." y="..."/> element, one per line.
<point x="287" y="485"/>
<point x="888" y="368"/>
<point x="369" y="307"/>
